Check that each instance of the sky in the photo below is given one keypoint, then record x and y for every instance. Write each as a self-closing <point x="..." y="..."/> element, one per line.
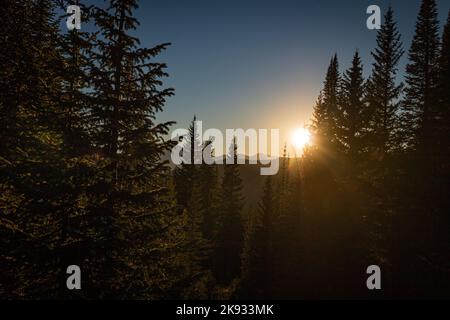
<point x="259" y="63"/>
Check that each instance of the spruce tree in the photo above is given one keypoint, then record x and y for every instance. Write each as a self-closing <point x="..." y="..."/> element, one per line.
<point x="230" y="234"/>
<point x="352" y="118"/>
<point x="127" y="198"/>
<point x="383" y="92"/>
<point x="443" y="170"/>
<point x="208" y="181"/>
<point x="326" y="111"/>
<point x="420" y="113"/>
<point x="31" y="168"/>
<point x="420" y="105"/>
<point x="331" y="97"/>
<point x="186" y="173"/>
<point x="444" y="95"/>
<point x="257" y="257"/>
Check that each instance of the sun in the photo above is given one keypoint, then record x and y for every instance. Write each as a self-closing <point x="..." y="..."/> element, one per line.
<point x="301" y="138"/>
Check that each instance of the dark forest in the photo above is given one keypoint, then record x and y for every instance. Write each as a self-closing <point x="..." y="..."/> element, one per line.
<point x="85" y="180"/>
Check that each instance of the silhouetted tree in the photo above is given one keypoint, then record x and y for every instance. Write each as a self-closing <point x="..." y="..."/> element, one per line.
<point x="419" y="122"/>
<point x="186" y="173"/>
<point x="383" y="92"/>
<point x="444" y="96"/>
<point x="326" y="111"/>
<point x="420" y="105"/>
<point x="257" y="258"/>
<point x="127" y="198"/>
<point x="230" y="236"/>
<point x="31" y="167"/>
<point x="352" y="120"/>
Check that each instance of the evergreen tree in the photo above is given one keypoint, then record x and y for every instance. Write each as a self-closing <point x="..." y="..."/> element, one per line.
<point x="352" y="119"/>
<point x="319" y="119"/>
<point x="72" y="121"/>
<point x="257" y="257"/>
<point x="326" y="111"/>
<point x="443" y="155"/>
<point x="331" y="98"/>
<point x="444" y="95"/>
<point x="420" y="110"/>
<point x="383" y="92"/>
<point x="230" y="235"/>
<point x="186" y="173"/>
<point x="30" y="164"/>
<point x="127" y="198"/>
<point x="73" y="101"/>
<point x="208" y="184"/>
<point x="419" y="107"/>
<point x="197" y="247"/>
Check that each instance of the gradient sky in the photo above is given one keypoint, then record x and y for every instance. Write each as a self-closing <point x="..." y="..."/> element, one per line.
<point x="258" y="63"/>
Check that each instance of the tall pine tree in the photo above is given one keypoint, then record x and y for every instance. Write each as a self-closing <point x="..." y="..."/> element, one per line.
<point x="230" y="235"/>
<point x="352" y="118"/>
<point x="420" y="105"/>
<point x="326" y="112"/>
<point x="127" y="198"/>
<point x="383" y="92"/>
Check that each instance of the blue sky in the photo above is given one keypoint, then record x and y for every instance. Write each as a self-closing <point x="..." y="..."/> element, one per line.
<point x="258" y="63"/>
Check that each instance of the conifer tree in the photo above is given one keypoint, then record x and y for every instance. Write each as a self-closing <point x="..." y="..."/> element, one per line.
<point x="319" y="118"/>
<point x="326" y="110"/>
<point x="443" y="170"/>
<point x="383" y="92"/>
<point x="197" y="247"/>
<point x="208" y="181"/>
<point x="257" y="258"/>
<point x="186" y="173"/>
<point x="420" y="105"/>
<point x="30" y="164"/>
<point x="230" y="235"/>
<point x="420" y="110"/>
<point x="444" y="95"/>
<point x="127" y="197"/>
<point x="331" y="97"/>
<point x="352" y="118"/>
<point x="383" y="143"/>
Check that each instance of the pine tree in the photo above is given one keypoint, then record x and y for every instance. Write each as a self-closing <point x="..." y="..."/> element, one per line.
<point x="230" y="235"/>
<point x="352" y="118"/>
<point x="74" y="103"/>
<point x="444" y="95"/>
<point x="197" y="247"/>
<point x="186" y="173"/>
<point x="383" y="92"/>
<point x="383" y="143"/>
<point x="71" y="121"/>
<point x="326" y="110"/>
<point x="419" y="123"/>
<point x="419" y="107"/>
<point x="319" y="119"/>
<point x="31" y="167"/>
<point x="127" y="197"/>
<point x="443" y="170"/>
<point x="208" y="180"/>
<point x="196" y="191"/>
<point x="257" y="258"/>
<point x="331" y="97"/>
